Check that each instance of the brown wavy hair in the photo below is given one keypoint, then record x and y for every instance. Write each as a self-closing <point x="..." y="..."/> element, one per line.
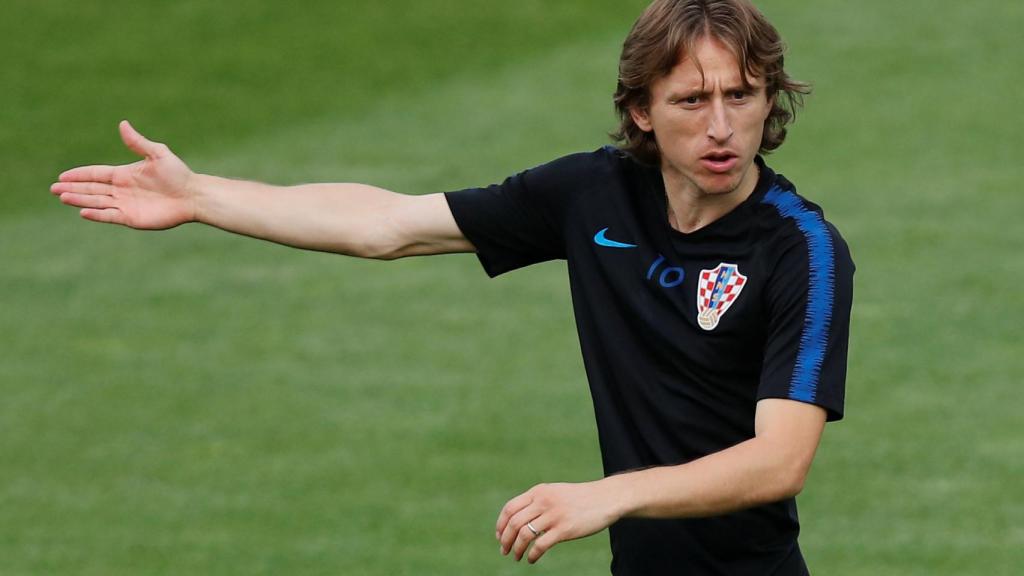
<point x="668" y="31"/>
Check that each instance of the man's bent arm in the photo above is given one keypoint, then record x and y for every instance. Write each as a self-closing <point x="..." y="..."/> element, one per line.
<point x="770" y="467"/>
<point x="161" y="192"/>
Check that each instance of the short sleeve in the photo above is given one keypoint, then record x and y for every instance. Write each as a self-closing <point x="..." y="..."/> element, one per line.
<point x="808" y="302"/>
<point x="522" y="220"/>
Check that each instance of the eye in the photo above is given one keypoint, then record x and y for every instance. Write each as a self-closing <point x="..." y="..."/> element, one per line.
<point x="738" y="95"/>
<point x="692" y="100"/>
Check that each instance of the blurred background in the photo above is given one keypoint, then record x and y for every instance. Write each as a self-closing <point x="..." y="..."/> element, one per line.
<point x="195" y="402"/>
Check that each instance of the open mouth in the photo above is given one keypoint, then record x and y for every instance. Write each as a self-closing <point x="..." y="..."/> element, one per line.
<point x="719" y="156"/>
<point x="719" y="161"/>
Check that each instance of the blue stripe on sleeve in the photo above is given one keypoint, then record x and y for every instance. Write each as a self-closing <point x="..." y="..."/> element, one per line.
<point x="820" y="293"/>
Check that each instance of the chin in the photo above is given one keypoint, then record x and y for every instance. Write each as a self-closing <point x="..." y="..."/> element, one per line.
<point x="720" y="184"/>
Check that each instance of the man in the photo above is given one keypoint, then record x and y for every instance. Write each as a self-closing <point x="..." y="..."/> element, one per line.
<point x="712" y="302"/>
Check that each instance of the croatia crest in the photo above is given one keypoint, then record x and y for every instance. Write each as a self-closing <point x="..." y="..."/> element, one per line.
<point x="717" y="289"/>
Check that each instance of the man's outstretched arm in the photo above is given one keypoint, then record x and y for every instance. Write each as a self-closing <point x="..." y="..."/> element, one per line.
<point x="161" y="192"/>
<point x="770" y="467"/>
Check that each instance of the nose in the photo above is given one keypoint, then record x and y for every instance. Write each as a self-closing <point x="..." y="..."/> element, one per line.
<point x="719" y="126"/>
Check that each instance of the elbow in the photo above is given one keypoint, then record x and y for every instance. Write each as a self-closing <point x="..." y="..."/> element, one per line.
<point x="386" y="251"/>
<point x="396" y="246"/>
<point x="790" y="479"/>
<point x="781" y="487"/>
<point x="379" y="245"/>
<point x="380" y="253"/>
<point x="793" y="485"/>
<point x="377" y="253"/>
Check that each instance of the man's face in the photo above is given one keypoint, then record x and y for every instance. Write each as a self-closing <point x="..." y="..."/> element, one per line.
<point x="708" y="126"/>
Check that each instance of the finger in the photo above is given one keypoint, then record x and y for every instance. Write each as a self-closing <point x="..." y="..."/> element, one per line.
<point x="526" y="536"/>
<point x="138" y="143"/>
<point x="91" y="188"/>
<point x="542" y="545"/>
<point x="109" y="215"/>
<point x="511" y="507"/>
<point x="88" y="201"/>
<point x="88" y="174"/>
<point x="516" y="524"/>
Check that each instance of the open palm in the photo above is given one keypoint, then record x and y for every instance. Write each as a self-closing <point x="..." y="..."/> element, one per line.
<point x="151" y="194"/>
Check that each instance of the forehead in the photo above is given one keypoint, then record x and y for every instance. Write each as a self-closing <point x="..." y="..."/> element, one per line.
<point x="710" y="64"/>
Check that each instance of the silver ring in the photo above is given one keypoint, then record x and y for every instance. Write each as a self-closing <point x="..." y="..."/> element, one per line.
<point x="536" y="532"/>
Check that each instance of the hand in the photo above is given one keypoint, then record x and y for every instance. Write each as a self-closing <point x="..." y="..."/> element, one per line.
<point x="559" y="512"/>
<point x="151" y="194"/>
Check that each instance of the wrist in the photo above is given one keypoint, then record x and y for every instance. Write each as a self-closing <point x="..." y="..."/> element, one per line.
<point x="623" y="494"/>
<point x="197" y="193"/>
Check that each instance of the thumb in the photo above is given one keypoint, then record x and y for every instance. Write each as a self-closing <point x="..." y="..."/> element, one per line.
<point x="138" y="143"/>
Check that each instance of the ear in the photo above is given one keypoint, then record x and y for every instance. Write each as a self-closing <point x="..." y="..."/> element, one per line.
<point x="641" y="118"/>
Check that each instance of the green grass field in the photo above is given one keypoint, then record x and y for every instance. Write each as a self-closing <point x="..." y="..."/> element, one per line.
<point x="192" y="402"/>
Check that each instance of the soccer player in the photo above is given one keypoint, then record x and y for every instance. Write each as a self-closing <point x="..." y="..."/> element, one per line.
<point x="712" y="301"/>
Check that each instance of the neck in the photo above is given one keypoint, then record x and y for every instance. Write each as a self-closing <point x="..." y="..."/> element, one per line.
<point x="690" y="208"/>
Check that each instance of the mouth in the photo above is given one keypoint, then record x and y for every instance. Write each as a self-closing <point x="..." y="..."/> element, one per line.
<point x="719" y="161"/>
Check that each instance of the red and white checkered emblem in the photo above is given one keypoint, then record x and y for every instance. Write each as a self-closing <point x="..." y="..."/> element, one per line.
<point x="717" y="289"/>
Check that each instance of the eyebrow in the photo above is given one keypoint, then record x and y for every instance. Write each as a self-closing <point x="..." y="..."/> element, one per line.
<point x="676" y="94"/>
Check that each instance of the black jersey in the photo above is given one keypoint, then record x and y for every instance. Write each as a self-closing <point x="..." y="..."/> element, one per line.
<point x="681" y="334"/>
